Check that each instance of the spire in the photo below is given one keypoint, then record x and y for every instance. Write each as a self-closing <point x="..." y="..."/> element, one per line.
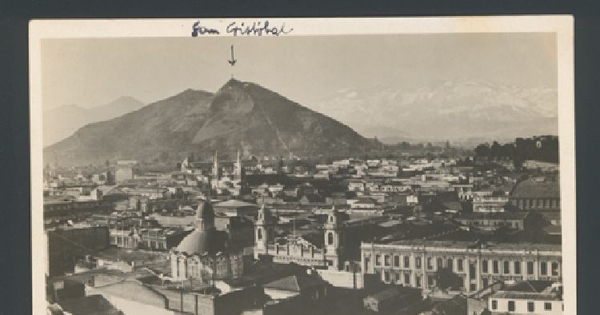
<point x="237" y="172"/>
<point x="215" y="169"/>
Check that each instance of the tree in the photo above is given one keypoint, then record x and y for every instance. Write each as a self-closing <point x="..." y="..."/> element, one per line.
<point x="445" y="278"/>
<point x="482" y="150"/>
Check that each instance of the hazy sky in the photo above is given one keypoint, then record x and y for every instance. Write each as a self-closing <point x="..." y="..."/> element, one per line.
<point x="91" y="72"/>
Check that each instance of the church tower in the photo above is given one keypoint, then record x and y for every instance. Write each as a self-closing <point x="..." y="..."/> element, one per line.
<point x="205" y="216"/>
<point x="334" y="239"/>
<point x="215" y="167"/>
<point x="237" y="171"/>
<point x="262" y="231"/>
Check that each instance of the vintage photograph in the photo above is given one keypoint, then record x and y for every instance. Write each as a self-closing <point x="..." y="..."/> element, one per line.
<point x="303" y="166"/>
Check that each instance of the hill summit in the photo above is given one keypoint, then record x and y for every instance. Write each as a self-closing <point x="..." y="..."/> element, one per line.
<point x="239" y="116"/>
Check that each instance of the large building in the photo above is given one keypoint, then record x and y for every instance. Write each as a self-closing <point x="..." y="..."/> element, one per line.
<point x="414" y="262"/>
<point x="528" y="297"/>
<point x="537" y="194"/>
<point x="327" y="249"/>
<point x="206" y="254"/>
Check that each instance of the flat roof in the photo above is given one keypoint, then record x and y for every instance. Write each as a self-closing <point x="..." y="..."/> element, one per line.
<point x="471" y="244"/>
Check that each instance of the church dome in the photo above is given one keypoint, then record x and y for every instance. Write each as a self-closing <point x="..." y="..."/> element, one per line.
<point x="205" y="210"/>
<point x="203" y="242"/>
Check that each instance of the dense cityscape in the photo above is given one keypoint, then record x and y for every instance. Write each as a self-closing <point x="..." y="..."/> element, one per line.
<point x="403" y="229"/>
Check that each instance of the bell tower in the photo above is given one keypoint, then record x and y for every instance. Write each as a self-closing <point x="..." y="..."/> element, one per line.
<point x="334" y="239"/>
<point x="237" y="171"/>
<point x="215" y="168"/>
<point x="262" y="231"/>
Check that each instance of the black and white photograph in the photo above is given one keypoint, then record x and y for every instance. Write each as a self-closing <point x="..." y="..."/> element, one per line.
<point x="359" y="166"/>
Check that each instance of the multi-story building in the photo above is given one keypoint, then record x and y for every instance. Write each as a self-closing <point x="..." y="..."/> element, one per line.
<point x="414" y="262"/>
<point x="536" y="194"/>
<point x="528" y="297"/>
<point x="156" y="238"/>
<point x="328" y="251"/>
<point x="489" y="203"/>
<point x="493" y="221"/>
<point x="206" y="253"/>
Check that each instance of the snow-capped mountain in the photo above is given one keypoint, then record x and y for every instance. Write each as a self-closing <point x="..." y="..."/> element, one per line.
<point x="449" y="110"/>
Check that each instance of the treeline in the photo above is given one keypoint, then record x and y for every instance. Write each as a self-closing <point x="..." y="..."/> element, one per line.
<point x="540" y="148"/>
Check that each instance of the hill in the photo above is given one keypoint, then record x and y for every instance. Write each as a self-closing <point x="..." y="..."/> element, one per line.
<point x="240" y="115"/>
<point x="61" y="122"/>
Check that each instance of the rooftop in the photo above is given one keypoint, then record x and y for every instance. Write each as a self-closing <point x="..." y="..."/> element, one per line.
<point x="493" y="216"/>
<point x="232" y="203"/>
<point x="471" y="244"/>
<point x="525" y="296"/>
<point x="295" y="283"/>
<point x="531" y="188"/>
<point x="93" y="304"/>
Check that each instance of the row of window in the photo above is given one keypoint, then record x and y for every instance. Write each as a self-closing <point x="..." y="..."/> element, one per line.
<point x="543" y="267"/>
<point x="404" y="278"/>
<point x="530" y="306"/>
<point x="125" y="242"/>
<point x="398" y="261"/>
<point x="406" y="262"/>
<point x="537" y="203"/>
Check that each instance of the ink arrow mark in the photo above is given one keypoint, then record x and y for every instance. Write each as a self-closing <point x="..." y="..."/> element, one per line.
<point x="232" y="61"/>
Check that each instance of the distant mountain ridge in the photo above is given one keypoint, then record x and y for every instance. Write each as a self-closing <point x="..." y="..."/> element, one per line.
<point x="239" y="116"/>
<point x="458" y="109"/>
<point x="61" y="122"/>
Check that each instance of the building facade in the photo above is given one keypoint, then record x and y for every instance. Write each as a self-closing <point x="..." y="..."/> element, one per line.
<point x="414" y="262"/>
<point x="297" y="249"/>
<point x="205" y="254"/>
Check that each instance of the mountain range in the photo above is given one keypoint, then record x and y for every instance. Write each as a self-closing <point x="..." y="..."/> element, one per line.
<point x="455" y="110"/>
<point x="239" y="116"/>
<point x="63" y="121"/>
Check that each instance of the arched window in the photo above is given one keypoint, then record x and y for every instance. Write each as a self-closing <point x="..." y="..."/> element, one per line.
<point x="330" y="238"/>
<point x="259" y="234"/>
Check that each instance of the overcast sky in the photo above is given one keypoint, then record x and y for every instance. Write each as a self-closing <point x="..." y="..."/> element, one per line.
<point x="91" y="72"/>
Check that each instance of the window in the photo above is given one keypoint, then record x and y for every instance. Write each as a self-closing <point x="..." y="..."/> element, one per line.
<point x="506" y="268"/>
<point x="377" y="260"/>
<point x="495" y="266"/>
<point x="530" y="267"/>
<point x="543" y="268"/>
<point x="459" y="262"/>
<point x="530" y="306"/>
<point x="406" y="262"/>
<point x="429" y="263"/>
<point x="548" y="306"/>
<point x="484" y="266"/>
<point x="450" y="264"/>
<point x="418" y="281"/>
<point x="386" y="260"/>
<point x="511" y="306"/>
<point x="517" y="267"/>
<point x="555" y="269"/>
<point x="440" y="263"/>
<point x="386" y="276"/>
<point x="396" y="261"/>
<point x="418" y="262"/>
<point x="330" y="238"/>
<point x="406" y="278"/>
<point x="494" y="304"/>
